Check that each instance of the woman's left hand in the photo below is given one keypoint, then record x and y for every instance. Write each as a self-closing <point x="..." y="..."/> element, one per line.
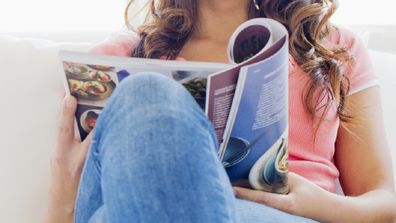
<point x="304" y="198"/>
<point x="67" y="161"/>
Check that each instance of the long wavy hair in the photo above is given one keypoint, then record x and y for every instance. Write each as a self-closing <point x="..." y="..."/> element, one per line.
<point x="170" y="23"/>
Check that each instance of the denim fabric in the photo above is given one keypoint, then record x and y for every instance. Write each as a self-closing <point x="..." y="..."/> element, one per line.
<point x="153" y="159"/>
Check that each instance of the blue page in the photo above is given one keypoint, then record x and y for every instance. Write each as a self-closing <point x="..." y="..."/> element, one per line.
<point x="259" y="125"/>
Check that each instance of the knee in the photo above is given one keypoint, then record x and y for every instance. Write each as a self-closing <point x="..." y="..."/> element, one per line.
<point x="144" y="78"/>
<point x="152" y="88"/>
<point x="147" y="82"/>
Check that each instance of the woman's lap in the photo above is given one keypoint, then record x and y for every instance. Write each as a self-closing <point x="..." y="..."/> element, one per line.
<point x="251" y="212"/>
<point x="247" y="212"/>
<point x="153" y="158"/>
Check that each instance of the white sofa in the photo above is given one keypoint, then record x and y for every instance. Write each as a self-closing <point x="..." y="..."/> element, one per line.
<point x="30" y="96"/>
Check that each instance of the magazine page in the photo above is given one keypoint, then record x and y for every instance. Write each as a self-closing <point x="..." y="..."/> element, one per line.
<point x="251" y="38"/>
<point x="257" y="43"/>
<point x="93" y="78"/>
<point x="256" y="147"/>
<point x="260" y="38"/>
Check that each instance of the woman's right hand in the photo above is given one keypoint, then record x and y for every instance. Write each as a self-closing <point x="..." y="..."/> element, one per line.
<point x="67" y="162"/>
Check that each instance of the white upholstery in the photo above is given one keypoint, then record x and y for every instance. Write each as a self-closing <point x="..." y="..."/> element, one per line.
<point x="30" y="96"/>
<point x="384" y="65"/>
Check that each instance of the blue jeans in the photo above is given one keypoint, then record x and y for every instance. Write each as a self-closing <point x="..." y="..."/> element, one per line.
<point x="153" y="159"/>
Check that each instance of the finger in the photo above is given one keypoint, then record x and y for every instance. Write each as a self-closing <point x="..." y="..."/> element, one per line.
<point x="66" y="124"/>
<point x="295" y="180"/>
<point x="84" y="147"/>
<point x="87" y="141"/>
<point x="278" y="201"/>
<point x="292" y="178"/>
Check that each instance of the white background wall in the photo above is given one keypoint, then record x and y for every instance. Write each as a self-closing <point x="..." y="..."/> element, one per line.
<point x="60" y="15"/>
<point x="366" y="12"/>
<point x="377" y="17"/>
<point x="94" y="19"/>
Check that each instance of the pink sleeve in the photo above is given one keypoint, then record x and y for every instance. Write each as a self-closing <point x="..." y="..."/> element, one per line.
<point x="120" y="44"/>
<point x="360" y="72"/>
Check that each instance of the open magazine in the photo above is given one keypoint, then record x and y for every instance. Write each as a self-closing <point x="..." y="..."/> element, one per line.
<point x="246" y="100"/>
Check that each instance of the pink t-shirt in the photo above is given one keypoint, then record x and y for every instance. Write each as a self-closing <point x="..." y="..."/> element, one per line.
<point x="309" y="157"/>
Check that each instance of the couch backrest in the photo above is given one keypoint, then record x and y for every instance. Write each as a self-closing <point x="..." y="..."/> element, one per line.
<point x="384" y="65"/>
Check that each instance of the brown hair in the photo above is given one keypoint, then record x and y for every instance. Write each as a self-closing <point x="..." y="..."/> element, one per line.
<point x="170" y="23"/>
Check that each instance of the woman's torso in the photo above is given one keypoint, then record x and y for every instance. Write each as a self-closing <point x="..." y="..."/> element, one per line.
<point x="311" y="149"/>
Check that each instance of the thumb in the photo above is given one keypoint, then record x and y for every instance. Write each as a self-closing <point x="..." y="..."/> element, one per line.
<point x="66" y="124"/>
<point x="294" y="180"/>
<point x="277" y="201"/>
<point x="85" y="146"/>
<point x="87" y="141"/>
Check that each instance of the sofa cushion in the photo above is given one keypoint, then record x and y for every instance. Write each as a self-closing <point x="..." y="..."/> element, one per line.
<point x="30" y="95"/>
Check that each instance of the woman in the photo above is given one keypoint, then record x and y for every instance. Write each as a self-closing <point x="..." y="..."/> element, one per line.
<point x="140" y="168"/>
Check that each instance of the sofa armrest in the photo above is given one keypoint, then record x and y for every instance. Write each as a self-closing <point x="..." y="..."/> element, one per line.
<point x="30" y="95"/>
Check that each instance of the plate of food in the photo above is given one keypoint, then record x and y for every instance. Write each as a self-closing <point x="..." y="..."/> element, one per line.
<point x="77" y="88"/>
<point x="100" y="76"/>
<point x="197" y="88"/>
<point x="95" y="88"/>
<point x="237" y="150"/>
<point x="91" y="90"/>
<point x="88" y="119"/>
<point x="101" y="67"/>
<point x="179" y="75"/>
<point x="77" y="70"/>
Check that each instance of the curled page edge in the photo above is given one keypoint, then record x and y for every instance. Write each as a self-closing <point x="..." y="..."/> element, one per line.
<point x="276" y="29"/>
<point x="278" y="38"/>
<point x="256" y="172"/>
